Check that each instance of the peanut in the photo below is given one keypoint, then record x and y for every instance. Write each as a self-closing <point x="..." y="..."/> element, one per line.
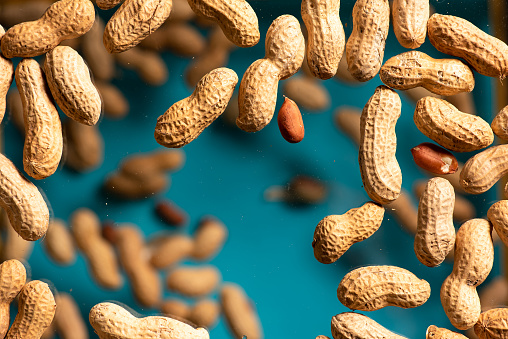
<point x="322" y="337"/>
<point x="257" y="96"/>
<point x="59" y="243"/>
<point x="404" y="212"/>
<point x="458" y="37"/>
<point x="500" y="124"/>
<point x="457" y="131"/>
<point x="27" y="211"/>
<point x="435" y="235"/>
<point x="7" y="71"/>
<point x="440" y="76"/>
<point x="134" y="21"/>
<point x="205" y="313"/>
<point x="434" y="332"/>
<point x="498" y="216"/>
<point x="335" y="234"/>
<point x="194" y="281"/>
<point x="15" y="12"/>
<point x="474" y="257"/>
<point x="239" y="312"/>
<point x="84" y="146"/>
<point x="434" y="159"/>
<point x="301" y="190"/>
<point x="308" y="93"/>
<point x="464" y="102"/>
<point x="147" y="164"/>
<point x="381" y="174"/>
<point x="107" y="4"/>
<point x="65" y="19"/>
<point x="144" y="278"/>
<point x="236" y="18"/>
<point x="209" y="238"/>
<point x="410" y="21"/>
<point x="454" y="179"/>
<point x="176" y="309"/>
<point x="179" y="37"/>
<point x="15" y="108"/>
<point x="290" y="122"/>
<point x="343" y="74"/>
<point x="326" y="38"/>
<point x="14" y="246"/>
<point x="116" y="105"/>
<point x="43" y="130"/>
<point x="492" y="324"/>
<point x="36" y="309"/>
<point x="365" y="47"/>
<point x="68" y="320"/>
<point x="484" y="169"/>
<point x="112" y="321"/>
<point x="149" y="65"/>
<point x="101" y="256"/>
<point x="12" y="280"/>
<point x="127" y="187"/>
<point x="186" y="119"/>
<point x="360" y="289"/>
<point x="170" y="214"/>
<point x="347" y="120"/>
<point x="350" y="325"/>
<point x="101" y="63"/>
<point x="416" y="93"/>
<point x="170" y="250"/>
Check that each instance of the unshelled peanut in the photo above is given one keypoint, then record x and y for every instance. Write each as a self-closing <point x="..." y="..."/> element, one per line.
<point x="209" y="238"/>
<point x="434" y="332"/>
<point x="59" y="243"/>
<point x="410" y="21"/>
<point x="194" y="281"/>
<point x="257" y="96"/>
<point x="473" y="260"/>
<point x="434" y="159"/>
<point x="65" y="19"/>
<point x="381" y="174"/>
<point x="371" y="288"/>
<point x="492" y="324"/>
<point x="335" y="234"/>
<point x="290" y="122"/>
<point x="239" y="312"/>
<point x="349" y="325"/>
<point x="12" y="280"/>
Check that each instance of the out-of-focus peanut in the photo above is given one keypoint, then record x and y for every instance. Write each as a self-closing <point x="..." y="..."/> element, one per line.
<point x="348" y="120"/>
<point x="434" y="159"/>
<point x="84" y="146"/>
<point x="417" y="93"/>
<point x="171" y="214"/>
<point x="492" y="324"/>
<point x="129" y="187"/>
<point x="349" y="325"/>
<point x="15" y="108"/>
<point x="301" y="190"/>
<point x="410" y="21"/>
<point x="307" y="93"/>
<point x="149" y="65"/>
<point x="14" y="246"/>
<point x="179" y="37"/>
<point x="59" y="243"/>
<point x="68" y="320"/>
<point x="404" y="212"/>
<point x="175" y="308"/>
<point x="181" y="11"/>
<point x="205" y="313"/>
<point x="194" y="281"/>
<point x="101" y="63"/>
<point x="7" y="72"/>
<point x="494" y="294"/>
<point x="12" y="280"/>
<point x="116" y="105"/>
<point x="170" y="250"/>
<point x="209" y="238"/>
<point x="15" y="12"/>
<point x="239" y="312"/>
<point x="498" y="216"/>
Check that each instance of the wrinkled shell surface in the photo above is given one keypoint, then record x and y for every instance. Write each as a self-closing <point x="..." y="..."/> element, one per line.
<point x="7" y="75"/>
<point x="498" y="216"/>
<point x="410" y="21"/>
<point x="434" y="332"/>
<point x="349" y="325"/>
<point x="500" y="124"/>
<point x="492" y="324"/>
<point x="12" y="280"/>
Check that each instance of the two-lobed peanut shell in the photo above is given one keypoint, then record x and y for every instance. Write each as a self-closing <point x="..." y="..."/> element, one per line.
<point x="410" y="21"/>
<point x="349" y="325"/>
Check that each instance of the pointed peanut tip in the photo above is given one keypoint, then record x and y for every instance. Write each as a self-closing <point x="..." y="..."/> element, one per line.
<point x="290" y="122"/>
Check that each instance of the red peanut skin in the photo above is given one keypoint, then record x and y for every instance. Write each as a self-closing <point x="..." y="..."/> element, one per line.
<point x="290" y="122"/>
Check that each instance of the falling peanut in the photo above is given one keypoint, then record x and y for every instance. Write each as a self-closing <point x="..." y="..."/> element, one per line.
<point x="12" y="280"/>
<point x="240" y="313"/>
<point x="194" y="281"/>
<point x="410" y="21"/>
<point x="290" y="122"/>
<point x="350" y="325"/>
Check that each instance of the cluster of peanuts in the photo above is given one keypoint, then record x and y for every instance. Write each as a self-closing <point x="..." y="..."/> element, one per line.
<point x="65" y="80"/>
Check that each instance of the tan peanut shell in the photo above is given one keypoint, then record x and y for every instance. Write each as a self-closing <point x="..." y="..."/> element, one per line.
<point x="492" y="324"/>
<point x="134" y="187"/>
<point x="257" y="96"/>
<point x="84" y="146"/>
<point x="326" y="40"/>
<point x="434" y="332"/>
<point x="366" y="45"/>
<point x="148" y="64"/>
<point x="69" y="80"/>
<point x="59" y="243"/>
<point x="26" y="208"/>
<point x="322" y="337"/>
<point x="7" y="75"/>
<point x="98" y="59"/>
<point x="404" y="211"/>
<point x="209" y="238"/>
<point x="307" y="93"/>
<point x="239" y="312"/>
<point x="484" y="169"/>
<point x="473" y="260"/>
<point x="410" y="21"/>
<point x="65" y="19"/>
<point x="205" y="313"/>
<point x="498" y="216"/>
<point x="113" y="321"/>
<point x="186" y="119"/>
<point x="458" y="37"/>
<point x="14" y="246"/>
<point x="145" y="165"/>
<point x="415" y="68"/>
<point x="371" y="288"/>
<point x="116" y="105"/>
<point x="457" y="131"/>
<point x="236" y="18"/>
<point x="144" y="278"/>
<point x="349" y="325"/>
<point x="12" y="280"/>
<point x="133" y="21"/>
<point x="335" y="234"/>
<point x="348" y="120"/>
<point x="194" y="281"/>
<point x="500" y="124"/>
<point x="381" y="174"/>
<point x="36" y="309"/>
<point x="343" y="74"/>
<point x="68" y="320"/>
<point x="171" y="250"/>
<point x="107" y="4"/>
<point x="179" y="37"/>
<point x="102" y="261"/>
<point x="435" y="235"/>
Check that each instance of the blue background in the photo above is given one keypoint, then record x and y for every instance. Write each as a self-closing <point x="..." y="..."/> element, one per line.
<point x="269" y="248"/>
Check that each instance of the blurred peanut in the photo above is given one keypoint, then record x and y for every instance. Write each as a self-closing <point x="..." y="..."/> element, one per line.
<point x="149" y="65"/>
<point x="101" y="63"/>
<point x="84" y="146"/>
<point x="494" y="294"/>
<point x="68" y="320"/>
<point x="14" y="246"/>
<point x="410" y="21"/>
<point x="181" y="11"/>
<point x="464" y="102"/>
<point x="347" y="120"/>
<point x="170" y="214"/>
<point x="300" y="190"/>
<point x="116" y="105"/>
<point x="205" y="313"/>
<point x="129" y="187"/>
<point x="417" y="93"/>
<point x="169" y="250"/>
<point x="59" y="243"/>
<point x="178" y="37"/>
<point x="12" y="280"/>
<point x="239" y="312"/>
<point x="209" y="238"/>
<point x="307" y="93"/>
<point x="15" y="108"/>
<point x="404" y="212"/>
<point x="7" y="72"/>
<point x="194" y="281"/>
<point x="15" y="12"/>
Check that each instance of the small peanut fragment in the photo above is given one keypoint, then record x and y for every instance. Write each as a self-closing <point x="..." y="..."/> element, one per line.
<point x="348" y="120"/>
<point x="36" y="309"/>
<point x="178" y="37"/>
<point x="498" y="216"/>
<point x="458" y="37"/>
<point x="435" y="234"/>
<point x="484" y="169"/>
<point x="65" y="19"/>
<point x="492" y="324"/>
<point x="335" y="234"/>
<point x="7" y="72"/>
<point x="349" y="325"/>
<point x="322" y="337"/>
<point x="194" y="281"/>
<point x="116" y="105"/>
<point x="186" y="119"/>
<point x="149" y="65"/>
<point x="84" y="146"/>
<point x="236" y="18"/>
<point x="205" y="313"/>
<point x="473" y="260"/>
<point x="59" y="243"/>
<point x="457" y="131"/>
<point x="290" y="122"/>
<point x="170" y="214"/>
<point x="361" y="288"/>
<point x="381" y="174"/>
<point x="326" y="39"/>
<point x="170" y="250"/>
<point x="257" y="96"/>
<point x="410" y="21"/>
<point x="134" y="21"/>
<point x="434" y="332"/>
<point x="415" y="68"/>
<point x="175" y="308"/>
<point x="365" y="47"/>
<point x="307" y="93"/>
<point x="43" y="130"/>
<point x="209" y="238"/>
<point x="68" y="320"/>
<point x="12" y="280"/>
<point x="147" y="164"/>
<point x="113" y="321"/>
<point x="239" y="312"/>
<point x="434" y="159"/>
